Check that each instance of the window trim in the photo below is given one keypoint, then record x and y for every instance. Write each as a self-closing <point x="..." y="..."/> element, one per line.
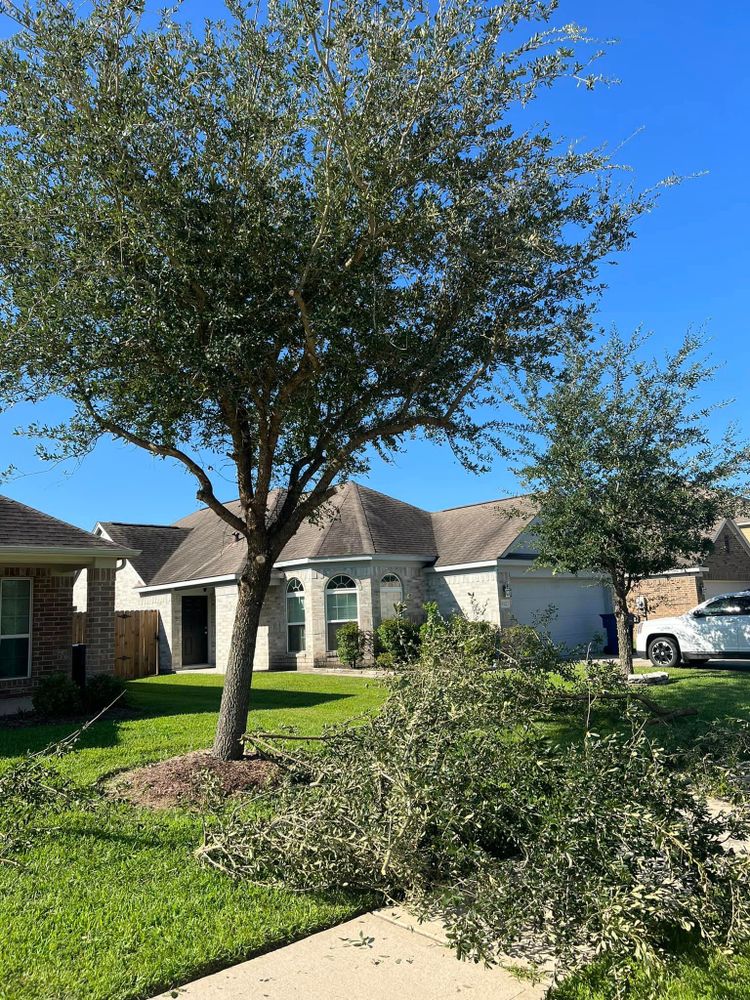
<point x="296" y="593"/>
<point x="29" y="635"/>
<point x="354" y="589"/>
<point x="391" y="587"/>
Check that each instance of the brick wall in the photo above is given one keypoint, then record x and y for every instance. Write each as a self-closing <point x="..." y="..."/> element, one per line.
<point x="100" y="621"/>
<point x="668" y="595"/>
<point x="674" y="595"/>
<point x="51" y="624"/>
<point x="730" y="559"/>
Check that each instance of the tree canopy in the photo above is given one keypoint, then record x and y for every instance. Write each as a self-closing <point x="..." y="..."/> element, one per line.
<point x="290" y="237"/>
<point x="624" y="468"/>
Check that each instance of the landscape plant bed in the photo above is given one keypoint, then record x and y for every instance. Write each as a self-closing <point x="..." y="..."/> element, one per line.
<point x="183" y="781"/>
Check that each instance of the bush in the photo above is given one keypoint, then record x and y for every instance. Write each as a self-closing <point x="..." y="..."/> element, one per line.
<point x="385" y="661"/>
<point x="351" y="643"/>
<point x="56" y="695"/>
<point x="455" y="800"/>
<point x="101" y="690"/>
<point x="400" y="638"/>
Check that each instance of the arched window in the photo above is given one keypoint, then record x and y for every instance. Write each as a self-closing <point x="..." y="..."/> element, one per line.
<point x="295" y="616"/>
<point x="391" y="594"/>
<point x="341" y="606"/>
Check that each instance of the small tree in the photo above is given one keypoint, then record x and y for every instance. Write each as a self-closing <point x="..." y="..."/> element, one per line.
<point x="288" y="239"/>
<point x="625" y="473"/>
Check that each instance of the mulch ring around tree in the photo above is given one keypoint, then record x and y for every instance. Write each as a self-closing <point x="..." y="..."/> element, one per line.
<point x="183" y="781"/>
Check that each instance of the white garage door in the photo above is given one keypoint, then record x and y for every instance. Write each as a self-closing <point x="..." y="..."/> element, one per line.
<point x="712" y="588"/>
<point x="578" y="604"/>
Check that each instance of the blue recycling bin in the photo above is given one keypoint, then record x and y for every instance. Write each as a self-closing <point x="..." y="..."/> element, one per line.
<point x="610" y="627"/>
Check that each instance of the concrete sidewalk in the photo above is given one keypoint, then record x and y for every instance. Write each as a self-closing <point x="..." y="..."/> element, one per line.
<point x="381" y="954"/>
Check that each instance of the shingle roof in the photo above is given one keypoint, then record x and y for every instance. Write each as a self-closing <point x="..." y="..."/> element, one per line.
<point x="156" y="542"/>
<point x="209" y="549"/>
<point x="360" y="521"/>
<point x="23" y="527"/>
<point x="365" y="522"/>
<point x="479" y="532"/>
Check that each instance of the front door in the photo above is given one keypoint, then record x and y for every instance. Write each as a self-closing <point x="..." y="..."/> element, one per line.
<point x="194" y="630"/>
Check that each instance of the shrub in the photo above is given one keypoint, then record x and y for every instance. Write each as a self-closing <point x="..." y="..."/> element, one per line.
<point x="101" y="690"/>
<point x="57" y="695"/>
<point x="399" y="637"/>
<point x="454" y="800"/>
<point x="385" y="661"/>
<point x="351" y="643"/>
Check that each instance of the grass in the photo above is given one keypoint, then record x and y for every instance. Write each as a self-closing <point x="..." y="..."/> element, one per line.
<point x="115" y="907"/>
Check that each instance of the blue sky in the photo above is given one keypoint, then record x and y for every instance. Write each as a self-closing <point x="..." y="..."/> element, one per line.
<point x="681" y="107"/>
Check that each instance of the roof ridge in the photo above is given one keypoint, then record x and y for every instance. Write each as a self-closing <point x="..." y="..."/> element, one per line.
<point x="482" y="503"/>
<point x="360" y="507"/>
<point x="387" y="496"/>
<point x="140" y="524"/>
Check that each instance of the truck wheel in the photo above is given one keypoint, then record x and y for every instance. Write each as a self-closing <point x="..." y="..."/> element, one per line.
<point x="664" y="652"/>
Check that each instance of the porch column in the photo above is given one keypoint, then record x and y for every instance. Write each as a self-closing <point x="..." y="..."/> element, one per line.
<point x="100" y="621"/>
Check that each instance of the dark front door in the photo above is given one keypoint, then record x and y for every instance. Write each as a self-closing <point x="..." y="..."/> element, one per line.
<point x="194" y="630"/>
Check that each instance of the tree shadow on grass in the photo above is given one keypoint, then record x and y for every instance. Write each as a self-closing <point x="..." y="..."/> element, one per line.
<point x="152" y="701"/>
<point x="34" y="738"/>
<point x="178" y="698"/>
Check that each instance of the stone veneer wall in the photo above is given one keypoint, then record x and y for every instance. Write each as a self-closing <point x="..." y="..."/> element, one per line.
<point x="51" y="624"/>
<point x="463" y="591"/>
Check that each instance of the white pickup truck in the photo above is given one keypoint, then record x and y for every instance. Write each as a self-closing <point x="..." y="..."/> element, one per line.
<point x="718" y="629"/>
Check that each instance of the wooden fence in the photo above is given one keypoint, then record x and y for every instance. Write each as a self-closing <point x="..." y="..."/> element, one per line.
<point x="136" y="641"/>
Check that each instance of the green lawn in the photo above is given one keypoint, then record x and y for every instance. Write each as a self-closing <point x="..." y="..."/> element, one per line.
<point x="116" y="907"/>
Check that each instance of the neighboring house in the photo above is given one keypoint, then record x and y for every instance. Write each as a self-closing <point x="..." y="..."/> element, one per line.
<point x="726" y="569"/>
<point x="374" y="553"/>
<point x="39" y="559"/>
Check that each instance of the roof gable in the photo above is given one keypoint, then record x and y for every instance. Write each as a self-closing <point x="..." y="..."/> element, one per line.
<point x="156" y="542"/>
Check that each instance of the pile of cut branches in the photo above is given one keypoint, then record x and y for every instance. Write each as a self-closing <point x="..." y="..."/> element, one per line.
<point x="457" y="800"/>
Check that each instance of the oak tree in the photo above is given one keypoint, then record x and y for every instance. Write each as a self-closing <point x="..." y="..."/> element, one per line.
<point x="291" y="238"/>
<point x="626" y="473"/>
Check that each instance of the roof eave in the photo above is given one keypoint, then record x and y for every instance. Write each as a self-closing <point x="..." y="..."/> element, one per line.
<point x="57" y="552"/>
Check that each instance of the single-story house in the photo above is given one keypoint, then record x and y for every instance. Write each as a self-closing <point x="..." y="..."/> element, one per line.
<point x="374" y="552"/>
<point x="40" y="558"/>
<point x="725" y="569"/>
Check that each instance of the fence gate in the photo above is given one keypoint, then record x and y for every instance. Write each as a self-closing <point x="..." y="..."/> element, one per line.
<point x="136" y="641"/>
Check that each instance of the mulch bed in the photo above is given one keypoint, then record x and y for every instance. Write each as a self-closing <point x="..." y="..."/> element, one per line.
<point x="180" y="781"/>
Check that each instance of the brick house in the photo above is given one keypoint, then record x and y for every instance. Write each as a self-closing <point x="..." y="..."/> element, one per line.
<point x="39" y="559"/>
<point x="726" y="569"/>
<point x="375" y="551"/>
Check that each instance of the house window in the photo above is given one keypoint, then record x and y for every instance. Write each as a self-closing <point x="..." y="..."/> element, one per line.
<point x="341" y="607"/>
<point x="391" y="594"/>
<point x="15" y="627"/>
<point x="295" y="616"/>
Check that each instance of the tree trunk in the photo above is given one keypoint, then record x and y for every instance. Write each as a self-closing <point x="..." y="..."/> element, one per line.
<point x="624" y="632"/>
<point x="235" y="700"/>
